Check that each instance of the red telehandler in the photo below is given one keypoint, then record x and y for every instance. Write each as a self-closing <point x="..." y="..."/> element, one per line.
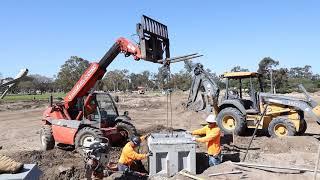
<point x="85" y="115"/>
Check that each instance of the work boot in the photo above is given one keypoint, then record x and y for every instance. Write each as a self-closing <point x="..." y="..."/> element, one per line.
<point x="8" y="165"/>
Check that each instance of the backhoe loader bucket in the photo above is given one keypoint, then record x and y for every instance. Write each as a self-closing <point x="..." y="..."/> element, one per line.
<point x="154" y="40"/>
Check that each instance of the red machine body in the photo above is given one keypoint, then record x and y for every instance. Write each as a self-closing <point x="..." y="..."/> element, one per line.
<point x="54" y="115"/>
<point x="82" y="116"/>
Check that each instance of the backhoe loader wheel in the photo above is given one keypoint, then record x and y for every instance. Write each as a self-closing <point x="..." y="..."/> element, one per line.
<point x="87" y="135"/>
<point x="126" y="129"/>
<point x="46" y="138"/>
<point x="281" y="127"/>
<point x="231" y="120"/>
<point x="303" y="127"/>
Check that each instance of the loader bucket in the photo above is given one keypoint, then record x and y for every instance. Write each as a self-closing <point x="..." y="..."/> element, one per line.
<point x="153" y="39"/>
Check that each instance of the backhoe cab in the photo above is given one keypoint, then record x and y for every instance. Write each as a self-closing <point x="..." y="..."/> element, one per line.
<point x="244" y="103"/>
<point x="243" y="87"/>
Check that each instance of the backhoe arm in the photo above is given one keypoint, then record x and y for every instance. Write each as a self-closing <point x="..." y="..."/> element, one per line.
<point x="204" y="92"/>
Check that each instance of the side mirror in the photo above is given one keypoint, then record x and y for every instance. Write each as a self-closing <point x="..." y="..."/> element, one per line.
<point x="126" y="113"/>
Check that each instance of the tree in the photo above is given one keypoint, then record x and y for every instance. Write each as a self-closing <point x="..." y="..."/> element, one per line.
<point x="267" y="65"/>
<point x="182" y="80"/>
<point x="239" y="69"/>
<point x="70" y="72"/>
<point x="280" y="80"/>
<point x="301" y="72"/>
<point x="161" y="78"/>
<point x="115" y="80"/>
<point x="42" y="83"/>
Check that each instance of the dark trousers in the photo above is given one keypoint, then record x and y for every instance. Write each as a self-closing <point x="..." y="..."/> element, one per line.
<point x="122" y="167"/>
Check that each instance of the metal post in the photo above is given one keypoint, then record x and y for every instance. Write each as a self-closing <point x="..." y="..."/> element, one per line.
<point x="271" y="78"/>
<point x="255" y="131"/>
<point x="317" y="164"/>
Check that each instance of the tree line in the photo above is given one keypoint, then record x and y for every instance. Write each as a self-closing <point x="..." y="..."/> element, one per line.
<point x="285" y="80"/>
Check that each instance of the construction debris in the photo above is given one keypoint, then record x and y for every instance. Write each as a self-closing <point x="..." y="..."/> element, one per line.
<point x="189" y="175"/>
<point x="224" y="173"/>
<point x="274" y="167"/>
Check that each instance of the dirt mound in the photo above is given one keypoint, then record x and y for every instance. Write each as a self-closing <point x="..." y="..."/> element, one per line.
<point x="58" y="163"/>
<point x="20" y="105"/>
<point x="129" y="103"/>
<point x="153" y="129"/>
<point x="280" y="145"/>
<point x="55" y="164"/>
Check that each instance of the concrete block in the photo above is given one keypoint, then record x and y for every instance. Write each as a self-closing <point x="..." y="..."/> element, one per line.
<point x="172" y="152"/>
<point x="29" y="172"/>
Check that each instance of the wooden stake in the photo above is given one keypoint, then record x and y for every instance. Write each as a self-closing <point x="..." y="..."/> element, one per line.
<point x="317" y="164"/>
<point x="224" y="173"/>
<point x="190" y="176"/>
<point x="275" y="167"/>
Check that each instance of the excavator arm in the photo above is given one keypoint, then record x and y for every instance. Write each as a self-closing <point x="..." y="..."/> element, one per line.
<point x="204" y="91"/>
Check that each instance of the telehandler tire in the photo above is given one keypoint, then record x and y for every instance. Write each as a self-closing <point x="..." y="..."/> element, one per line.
<point x="86" y="136"/>
<point x="46" y="138"/>
<point x="303" y="127"/>
<point x="126" y="129"/>
<point x="281" y="127"/>
<point x="231" y="120"/>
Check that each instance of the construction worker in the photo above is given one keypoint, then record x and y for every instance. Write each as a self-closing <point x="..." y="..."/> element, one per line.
<point x="211" y="138"/>
<point x="129" y="155"/>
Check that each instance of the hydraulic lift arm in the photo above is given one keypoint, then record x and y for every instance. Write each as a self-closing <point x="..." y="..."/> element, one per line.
<point x="96" y="71"/>
<point x="204" y="91"/>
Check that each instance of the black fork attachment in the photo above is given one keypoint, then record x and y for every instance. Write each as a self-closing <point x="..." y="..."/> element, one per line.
<point x="154" y="42"/>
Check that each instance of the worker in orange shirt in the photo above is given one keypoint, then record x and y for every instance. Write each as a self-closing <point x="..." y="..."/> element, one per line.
<point x="129" y="155"/>
<point x="211" y="138"/>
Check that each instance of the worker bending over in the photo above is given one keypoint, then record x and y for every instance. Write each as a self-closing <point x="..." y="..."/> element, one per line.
<point x="129" y="155"/>
<point x="211" y="138"/>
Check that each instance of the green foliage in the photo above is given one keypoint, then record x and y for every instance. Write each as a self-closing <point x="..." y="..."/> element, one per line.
<point x="70" y="72"/>
<point x="239" y="69"/>
<point x="287" y="80"/>
<point x="27" y="97"/>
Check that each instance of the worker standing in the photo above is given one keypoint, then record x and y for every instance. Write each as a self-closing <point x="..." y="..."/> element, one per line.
<point x="212" y="139"/>
<point x="129" y="155"/>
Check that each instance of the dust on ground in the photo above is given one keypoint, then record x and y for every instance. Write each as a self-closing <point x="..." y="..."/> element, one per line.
<point x="19" y="132"/>
<point x="21" y="105"/>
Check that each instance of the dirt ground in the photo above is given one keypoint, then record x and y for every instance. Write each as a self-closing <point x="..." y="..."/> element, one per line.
<point x="20" y="123"/>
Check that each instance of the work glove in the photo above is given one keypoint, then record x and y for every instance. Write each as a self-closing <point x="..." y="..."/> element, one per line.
<point x="193" y="138"/>
<point x="150" y="153"/>
<point x="145" y="136"/>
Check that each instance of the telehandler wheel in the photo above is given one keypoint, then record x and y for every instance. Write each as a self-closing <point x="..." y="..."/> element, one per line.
<point x="126" y="129"/>
<point x="231" y="120"/>
<point x="46" y="138"/>
<point x="86" y="136"/>
<point x="303" y="127"/>
<point x="281" y="127"/>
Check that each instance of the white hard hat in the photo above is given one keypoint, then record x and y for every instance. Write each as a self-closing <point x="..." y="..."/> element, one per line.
<point x="211" y="119"/>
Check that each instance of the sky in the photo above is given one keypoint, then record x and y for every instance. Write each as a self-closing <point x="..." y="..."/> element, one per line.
<point x="42" y="35"/>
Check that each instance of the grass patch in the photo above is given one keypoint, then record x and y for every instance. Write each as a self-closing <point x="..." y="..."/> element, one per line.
<point x="26" y="97"/>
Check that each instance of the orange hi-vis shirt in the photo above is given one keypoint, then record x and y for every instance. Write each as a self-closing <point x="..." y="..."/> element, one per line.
<point x="212" y="138"/>
<point x="129" y="155"/>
